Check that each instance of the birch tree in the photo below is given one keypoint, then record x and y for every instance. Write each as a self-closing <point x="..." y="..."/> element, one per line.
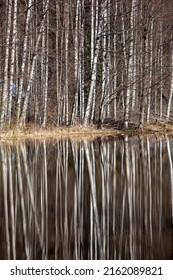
<point x="94" y="65"/>
<point x="32" y="71"/>
<point x="45" y="34"/>
<point x="76" y="64"/>
<point x="130" y="74"/>
<point x="12" y="61"/>
<point x="24" y="58"/>
<point x="171" y="89"/>
<point x="94" y="29"/>
<point x="7" y="54"/>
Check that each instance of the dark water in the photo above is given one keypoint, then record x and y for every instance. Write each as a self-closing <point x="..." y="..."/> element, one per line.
<point x="102" y="199"/>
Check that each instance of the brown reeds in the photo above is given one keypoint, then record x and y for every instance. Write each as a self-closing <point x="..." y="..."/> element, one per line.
<point x="79" y="132"/>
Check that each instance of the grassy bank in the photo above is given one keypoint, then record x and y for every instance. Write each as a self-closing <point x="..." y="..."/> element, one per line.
<point x="36" y="132"/>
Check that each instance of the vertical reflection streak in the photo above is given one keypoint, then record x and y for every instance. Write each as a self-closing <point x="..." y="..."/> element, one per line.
<point x="103" y="184"/>
<point x="31" y="194"/>
<point x="91" y="171"/>
<point x="21" y="192"/>
<point x="129" y="192"/>
<point x="134" y="200"/>
<point x="149" y="187"/>
<point x="108" y="180"/>
<point x="123" y="190"/>
<point x="160" y="187"/>
<point x="75" y="205"/>
<point x="46" y="200"/>
<point x="171" y="171"/>
<point x="4" y="172"/>
<point x="66" y="230"/>
<point x="81" y="196"/>
<point x="12" y="206"/>
<point x="114" y="197"/>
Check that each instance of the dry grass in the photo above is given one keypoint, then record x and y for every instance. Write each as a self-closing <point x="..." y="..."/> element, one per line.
<point x="78" y="132"/>
<point x="162" y="128"/>
<point x="32" y="132"/>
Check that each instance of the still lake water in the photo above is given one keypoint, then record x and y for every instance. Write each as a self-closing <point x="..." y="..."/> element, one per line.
<point x="101" y="199"/>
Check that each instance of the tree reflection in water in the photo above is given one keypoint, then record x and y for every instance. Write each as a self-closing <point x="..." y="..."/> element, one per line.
<point x="101" y="199"/>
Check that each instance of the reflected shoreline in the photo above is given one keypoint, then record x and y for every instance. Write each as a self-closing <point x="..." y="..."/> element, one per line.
<point x="87" y="200"/>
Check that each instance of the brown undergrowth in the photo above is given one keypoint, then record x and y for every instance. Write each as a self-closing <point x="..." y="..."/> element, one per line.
<point x="34" y="132"/>
<point x="80" y="132"/>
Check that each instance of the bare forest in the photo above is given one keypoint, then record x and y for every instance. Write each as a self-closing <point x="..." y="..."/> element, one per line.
<point x="71" y="62"/>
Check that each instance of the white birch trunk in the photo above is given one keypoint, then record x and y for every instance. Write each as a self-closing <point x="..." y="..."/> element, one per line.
<point x="43" y="66"/>
<point x="82" y="65"/>
<point x="130" y="65"/>
<point x="12" y="62"/>
<point x="46" y="69"/>
<point x="57" y="62"/>
<point x="104" y="66"/>
<point x="95" y="30"/>
<point x="161" y="70"/>
<point x="61" y="80"/>
<point x="94" y="67"/>
<point x="5" y="81"/>
<point x="24" y="58"/>
<point x="171" y="90"/>
<point x="32" y="72"/>
<point x="76" y="64"/>
<point x="150" y="59"/>
<point x="65" y="105"/>
<point x="134" y="58"/>
<point x="115" y="64"/>
<point x="109" y="67"/>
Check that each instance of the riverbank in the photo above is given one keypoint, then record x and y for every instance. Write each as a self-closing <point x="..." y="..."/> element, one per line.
<point x="80" y="132"/>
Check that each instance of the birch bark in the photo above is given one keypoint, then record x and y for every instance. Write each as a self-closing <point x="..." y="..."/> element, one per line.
<point x="171" y="90"/>
<point x="7" y="53"/>
<point x="32" y="72"/>
<point x="130" y="65"/>
<point x="115" y="63"/>
<point x="150" y="59"/>
<point x="12" y="61"/>
<point x="46" y="67"/>
<point x="88" y="109"/>
<point x="65" y="107"/>
<point x="24" y="58"/>
<point x="76" y="64"/>
<point x="94" y="28"/>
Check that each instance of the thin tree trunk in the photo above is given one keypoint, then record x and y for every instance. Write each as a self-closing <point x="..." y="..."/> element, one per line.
<point x="65" y="105"/>
<point x="88" y="109"/>
<point x="171" y="90"/>
<point x="12" y="62"/>
<point x="76" y="65"/>
<point x="161" y="70"/>
<point x="115" y="64"/>
<point x="130" y="64"/>
<point x="7" y="53"/>
<point x="150" y="65"/>
<point x="104" y="66"/>
<point x="94" y="37"/>
<point x="32" y="72"/>
<point x="57" y="61"/>
<point x="46" y="69"/>
<point x="24" y="58"/>
<point x="82" y="56"/>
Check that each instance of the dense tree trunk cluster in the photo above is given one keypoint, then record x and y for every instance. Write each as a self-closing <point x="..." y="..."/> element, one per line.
<point x="82" y="61"/>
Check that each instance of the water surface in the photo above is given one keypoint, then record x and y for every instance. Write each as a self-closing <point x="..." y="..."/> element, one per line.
<point x="101" y="199"/>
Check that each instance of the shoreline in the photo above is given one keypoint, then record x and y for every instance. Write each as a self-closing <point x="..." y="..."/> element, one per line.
<point x="32" y="132"/>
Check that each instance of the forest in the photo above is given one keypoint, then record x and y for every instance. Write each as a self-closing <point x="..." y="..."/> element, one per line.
<point x="84" y="62"/>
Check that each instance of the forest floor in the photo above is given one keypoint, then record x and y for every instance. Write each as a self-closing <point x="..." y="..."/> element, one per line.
<point x="80" y="132"/>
